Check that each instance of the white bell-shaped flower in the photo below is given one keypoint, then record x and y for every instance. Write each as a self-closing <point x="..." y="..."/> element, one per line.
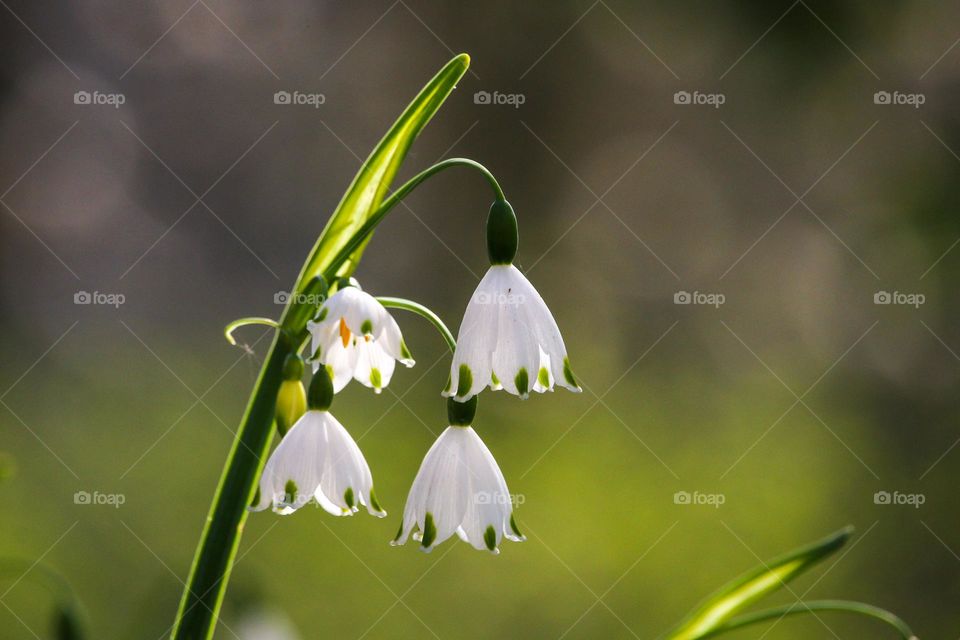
<point x="317" y="460"/>
<point x="356" y="337"/>
<point x="508" y="338"/>
<point x="459" y="489"/>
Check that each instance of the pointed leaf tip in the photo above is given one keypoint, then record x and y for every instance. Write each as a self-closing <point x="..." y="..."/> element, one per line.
<point x="372" y="182"/>
<point x="754" y="585"/>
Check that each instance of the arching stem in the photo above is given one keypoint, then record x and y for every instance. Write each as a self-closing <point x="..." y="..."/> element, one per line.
<point x="242" y="322"/>
<point x="403" y="191"/>
<point x="420" y="310"/>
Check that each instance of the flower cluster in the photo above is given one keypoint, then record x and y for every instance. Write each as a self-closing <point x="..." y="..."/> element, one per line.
<point x="508" y="340"/>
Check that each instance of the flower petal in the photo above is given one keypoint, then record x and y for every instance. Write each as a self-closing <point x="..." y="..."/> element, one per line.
<point x="292" y="472"/>
<point x="374" y="367"/>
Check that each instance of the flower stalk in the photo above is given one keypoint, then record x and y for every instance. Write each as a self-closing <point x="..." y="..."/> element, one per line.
<point x="424" y="312"/>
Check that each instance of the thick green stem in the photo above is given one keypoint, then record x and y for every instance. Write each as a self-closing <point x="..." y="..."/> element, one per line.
<point x="403" y="191"/>
<point x="420" y="310"/>
<point x="841" y="606"/>
<point x="200" y="605"/>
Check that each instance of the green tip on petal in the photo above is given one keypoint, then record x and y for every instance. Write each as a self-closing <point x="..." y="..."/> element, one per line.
<point x="399" y="532"/>
<point x="522" y="381"/>
<point x="290" y="489"/>
<point x="494" y="379"/>
<point x="568" y="374"/>
<point x="348" y="497"/>
<point x="514" y="527"/>
<point x="429" y="531"/>
<point x="465" y="381"/>
<point x="366" y="328"/>
<point x="375" y="378"/>
<point x="376" y="503"/>
<point x="543" y="377"/>
<point x="490" y="538"/>
<point x="404" y="352"/>
<point x="256" y="498"/>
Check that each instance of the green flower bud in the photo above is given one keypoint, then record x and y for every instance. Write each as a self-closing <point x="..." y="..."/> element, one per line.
<point x="291" y="404"/>
<point x="461" y="414"/>
<point x="293" y="367"/>
<point x="292" y="397"/>
<point x="320" y="395"/>
<point x="502" y="234"/>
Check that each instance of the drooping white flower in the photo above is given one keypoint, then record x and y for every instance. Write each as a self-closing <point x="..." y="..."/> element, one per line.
<point x="508" y="340"/>
<point x="317" y="460"/>
<point x="355" y="337"/>
<point x="459" y="489"/>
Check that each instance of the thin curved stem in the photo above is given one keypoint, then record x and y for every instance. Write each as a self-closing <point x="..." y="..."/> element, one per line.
<point x="403" y="191"/>
<point x="842" y="606"/>
<point x="242" y="322"/>
<point x="419" y="309"/>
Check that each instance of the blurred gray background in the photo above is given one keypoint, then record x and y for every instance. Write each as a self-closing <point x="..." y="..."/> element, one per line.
<point x="823" y="186"/>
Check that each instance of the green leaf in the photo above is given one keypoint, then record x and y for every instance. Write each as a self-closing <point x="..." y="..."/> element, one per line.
<point x="370" y="185"/>
<point x="754" y="585"/>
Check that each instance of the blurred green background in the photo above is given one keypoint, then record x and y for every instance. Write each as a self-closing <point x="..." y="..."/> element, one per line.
<point x="799" y="199"/>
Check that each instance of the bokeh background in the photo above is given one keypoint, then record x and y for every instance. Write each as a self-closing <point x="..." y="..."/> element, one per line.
<point x="795" y="401"/>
